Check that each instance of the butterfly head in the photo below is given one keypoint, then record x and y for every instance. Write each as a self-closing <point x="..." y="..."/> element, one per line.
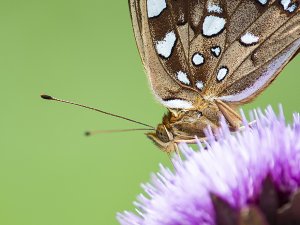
<point x="163" y="138"/>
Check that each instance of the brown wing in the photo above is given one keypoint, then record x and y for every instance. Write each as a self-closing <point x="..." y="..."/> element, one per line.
<point x="261" y="40"/>
<point x="228" y="50"/>
<point x="162" y="52"/>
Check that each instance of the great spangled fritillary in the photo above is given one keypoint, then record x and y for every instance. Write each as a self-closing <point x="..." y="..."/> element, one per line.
<point x="206" y="58"/>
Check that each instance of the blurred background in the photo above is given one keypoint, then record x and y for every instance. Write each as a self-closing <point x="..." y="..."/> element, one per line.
<point x="50" y="173"/>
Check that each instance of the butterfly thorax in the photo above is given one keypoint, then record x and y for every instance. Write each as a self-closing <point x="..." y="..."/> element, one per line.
<point x="183" y="125"/>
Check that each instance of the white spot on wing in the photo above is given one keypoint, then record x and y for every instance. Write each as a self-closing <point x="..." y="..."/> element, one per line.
<point x="287" y="5"/>
<point x="222" y="73"/>
<point x="177" y="104"/>
<point x="164" y="47"/>
<point x="216" y="51"/>
<point x="274" y="66"/>
<point x="155" y="7"/>
<point x="212" y="8"/>
<point x="183" y="77"/>
<point x="292" y="8"/>
<point x="213" y="25"/>
<point x="200" y="85"/>
<point x="263" y="2"/>
<point x="198" y="59"/>
<point x="249" y="39"/>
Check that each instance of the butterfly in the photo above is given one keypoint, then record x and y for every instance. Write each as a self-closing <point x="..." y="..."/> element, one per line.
<point x="206" y="58"/>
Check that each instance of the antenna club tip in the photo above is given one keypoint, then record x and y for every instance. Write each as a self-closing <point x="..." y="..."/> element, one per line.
<point x="47" y="97"/>
<point x="87" y="133"/>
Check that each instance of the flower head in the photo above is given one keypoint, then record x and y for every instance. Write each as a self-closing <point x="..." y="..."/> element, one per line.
<point x="250" y="177"/>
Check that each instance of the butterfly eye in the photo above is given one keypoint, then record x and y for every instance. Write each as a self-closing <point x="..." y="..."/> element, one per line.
<point x="162" y="134"/>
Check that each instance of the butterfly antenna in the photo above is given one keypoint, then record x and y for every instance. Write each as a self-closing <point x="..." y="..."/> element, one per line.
<point x="48" y="97"/>
<point x="89" y="133"/>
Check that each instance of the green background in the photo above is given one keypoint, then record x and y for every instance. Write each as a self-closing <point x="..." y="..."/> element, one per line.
<point x="50" y="172"/>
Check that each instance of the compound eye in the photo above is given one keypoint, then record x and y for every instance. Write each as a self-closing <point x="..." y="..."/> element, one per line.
<point x="162" y="134"/>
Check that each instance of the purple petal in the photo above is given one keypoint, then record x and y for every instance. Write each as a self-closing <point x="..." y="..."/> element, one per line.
<point x="233" y="167"/>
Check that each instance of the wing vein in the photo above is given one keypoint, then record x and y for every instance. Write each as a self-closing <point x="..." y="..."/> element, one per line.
<point x="252" y="52"/>
<point x="180" y="41"/>
<point x="228" y="47"/>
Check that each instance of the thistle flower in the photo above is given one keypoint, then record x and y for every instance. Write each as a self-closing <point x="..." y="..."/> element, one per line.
<point x="248" y="178"/>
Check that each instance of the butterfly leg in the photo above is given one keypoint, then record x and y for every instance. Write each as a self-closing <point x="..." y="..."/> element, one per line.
<point x="191" y="141"/>
<point x="196" y="140"/>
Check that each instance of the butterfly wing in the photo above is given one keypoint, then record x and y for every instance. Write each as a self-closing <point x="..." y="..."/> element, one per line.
<point x="163" y="51"/>
<point x="218" y="49"/>
<point x="258" y="46"/>
<point x="136" y="23"/>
